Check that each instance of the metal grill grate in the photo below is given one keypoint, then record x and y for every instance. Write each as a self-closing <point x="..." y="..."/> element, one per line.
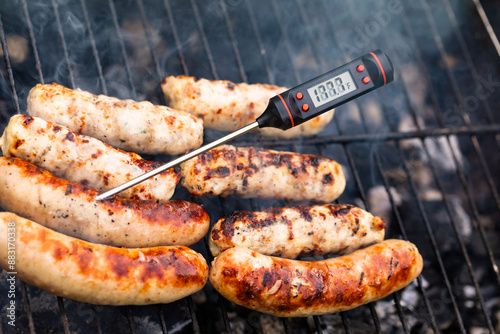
<point x="423" y="123"/>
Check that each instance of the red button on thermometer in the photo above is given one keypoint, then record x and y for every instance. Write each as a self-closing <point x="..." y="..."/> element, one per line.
<point x="299" y="104"/>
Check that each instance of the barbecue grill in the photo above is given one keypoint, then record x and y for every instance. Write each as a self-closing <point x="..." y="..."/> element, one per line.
<point x="421" y="152"/>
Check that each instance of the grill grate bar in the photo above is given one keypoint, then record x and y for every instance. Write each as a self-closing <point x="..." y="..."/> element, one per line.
<point x="262" y="50"/>
<point x="9" y="66"/>
<point x="346" y="322"/>
<point x="461" y="174"/>
<point x="96" y="318"/>
<point x="190" y="304"/>
<point x="204" y="39"/>
<point x="176" y="36"/>
<point x="147" y="28"/>
<point x="63" y="43"/>
<point x="130" y="320"/>
<point x="27" y="307"/>
<point x="122" y="47"/>
<point x="163" y="324"/>
<point x="95" y="53"/>
<point x="33" y="41"/>
<point x="317" y="323"/>
<point x="242" y="73"/>
<point x="286" y="325"/>
<point x="225" y="317"/>
<point x="487" y="25"/>
<point x="286" y="41"/>
<point x="64" y="317"/>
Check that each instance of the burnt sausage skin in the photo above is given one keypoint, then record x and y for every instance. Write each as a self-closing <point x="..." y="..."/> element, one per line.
<point x="292" y="288"/>
<point x="228" y="106"/>
<point x="70" y="208"/>
<point x="139" y="127"/>
<point x="82" y="159"/>
<point x="99" y="274"/>
<point x="256" y="173"/>
<point x="301" y="230"/>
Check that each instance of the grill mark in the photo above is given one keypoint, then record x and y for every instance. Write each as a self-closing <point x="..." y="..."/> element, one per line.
<point x="390" y="270"/>
<point x="27" y="120"/>
<point x="218" y="172"/>
<point x="69" y="189"/>
<point x="18" y="143"/>
<point x="70" y="136"/>
<point x="327" y="179"/>
<point x="305" y="212"/>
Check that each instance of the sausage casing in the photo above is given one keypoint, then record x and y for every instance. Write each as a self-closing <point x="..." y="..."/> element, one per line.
<point x="99" y="274"/>
<point x="70" y="208"/>
<point x="227" y="106"/>
<point x="301" y="230"/>
<point x="83" y="159"/>
<point x="139" y="127"/>
<point x="292" y="288"/>
<point x="253" y="173"/>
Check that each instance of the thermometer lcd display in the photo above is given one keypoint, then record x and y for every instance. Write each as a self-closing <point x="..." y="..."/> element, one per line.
<point x="331" y="89"/>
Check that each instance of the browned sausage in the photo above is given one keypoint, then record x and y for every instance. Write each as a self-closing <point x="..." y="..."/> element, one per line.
<point x="133" y="126"/>
<point x="258" y="173"/>
<point x="99" y="274"/>
<point x="292" y="288"/>
<point x="300" y="230"/>
<point x="229" y="106"/>
<point x="83" y="159"/>
<point x="70" y="208"/>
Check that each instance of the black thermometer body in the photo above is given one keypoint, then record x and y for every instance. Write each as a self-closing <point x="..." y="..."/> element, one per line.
<point x="314" y="97"/>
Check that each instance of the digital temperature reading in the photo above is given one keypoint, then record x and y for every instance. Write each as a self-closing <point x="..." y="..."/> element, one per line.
<point x="331" y="89"/>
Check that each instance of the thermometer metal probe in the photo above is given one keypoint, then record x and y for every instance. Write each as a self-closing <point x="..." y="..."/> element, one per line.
<point x="299" y="104"/>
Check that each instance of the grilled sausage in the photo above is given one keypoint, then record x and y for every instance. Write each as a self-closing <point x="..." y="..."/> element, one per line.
<point x="139" y="127"/>
<point x="227" y="106"/>
<point x="292" y="288"/>
<point x="99" y="274"/>
<point x="250" y="172"/>
<point x="70" y="208"/>
<point x="82" y="159"/>
<point x="302" y="230"/>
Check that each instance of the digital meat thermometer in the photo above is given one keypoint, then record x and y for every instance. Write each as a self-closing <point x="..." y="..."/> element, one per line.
<point x="299" y="104"/>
